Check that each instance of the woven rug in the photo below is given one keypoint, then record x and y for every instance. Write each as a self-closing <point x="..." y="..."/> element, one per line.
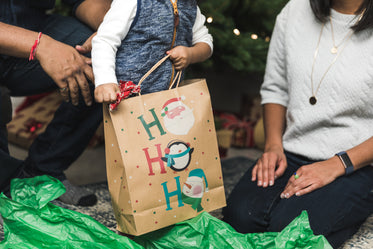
<point x="233" y="169"/>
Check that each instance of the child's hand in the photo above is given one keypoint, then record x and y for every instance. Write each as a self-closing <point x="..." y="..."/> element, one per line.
<point x="180" y="56"/>
<point x="106" y="93"/>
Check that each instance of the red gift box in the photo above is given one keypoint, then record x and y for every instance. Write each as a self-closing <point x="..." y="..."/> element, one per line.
<point x="243" y="130"/>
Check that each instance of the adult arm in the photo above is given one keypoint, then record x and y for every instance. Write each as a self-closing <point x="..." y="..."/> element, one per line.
<point x="320" y="174"/>
<point x="272" y="163"/>
<point x="92" y="12"/>
<point x="274" y="93"/>
<point x="61" y="62"/>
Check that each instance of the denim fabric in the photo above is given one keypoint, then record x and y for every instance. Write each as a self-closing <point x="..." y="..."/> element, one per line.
<point x="335" y="211"/>
<point x="149" y="38"/>
<point x="69" y="132"/>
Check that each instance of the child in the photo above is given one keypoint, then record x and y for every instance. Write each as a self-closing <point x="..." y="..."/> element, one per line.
<point x="135" y="34"/>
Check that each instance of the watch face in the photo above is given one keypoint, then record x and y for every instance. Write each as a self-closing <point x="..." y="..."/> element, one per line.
<point x="349" y="167"/>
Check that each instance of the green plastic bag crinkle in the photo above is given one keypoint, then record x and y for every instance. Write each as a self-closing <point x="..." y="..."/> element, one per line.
<point x="205" y="231"/>
<point x="30" y="221"/>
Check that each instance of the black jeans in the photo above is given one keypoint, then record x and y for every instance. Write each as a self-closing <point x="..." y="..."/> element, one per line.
<point x="335" y="211"/>
<point x="72" y="127"/>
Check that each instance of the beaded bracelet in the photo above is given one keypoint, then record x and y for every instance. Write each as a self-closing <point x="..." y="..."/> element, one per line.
<point x="33" y="48"/>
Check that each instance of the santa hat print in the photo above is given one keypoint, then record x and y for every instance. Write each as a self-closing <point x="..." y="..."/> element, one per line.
<point x="199" y="173"/>
<point x="168" y="102"/>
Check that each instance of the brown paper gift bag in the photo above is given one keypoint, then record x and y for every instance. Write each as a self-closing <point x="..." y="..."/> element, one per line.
<point x="162" y="158"/>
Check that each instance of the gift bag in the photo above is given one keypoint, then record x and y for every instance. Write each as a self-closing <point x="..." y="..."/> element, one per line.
<point x="162" y="157"/>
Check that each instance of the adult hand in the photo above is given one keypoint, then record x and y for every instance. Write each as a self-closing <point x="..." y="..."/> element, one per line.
<point x="86" y="47"/>
<point x="270" y="165"/>
<point x="313" y="176"/>
<point x="107" y="93"/>
<point x="67" y="67"/>
<point x="180" y="57"/>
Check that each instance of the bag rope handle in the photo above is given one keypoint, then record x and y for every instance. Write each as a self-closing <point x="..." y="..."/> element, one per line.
<point x="152" y="69"/>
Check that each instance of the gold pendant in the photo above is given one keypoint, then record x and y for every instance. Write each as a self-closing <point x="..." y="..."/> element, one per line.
<point x="334" y="50"/>
<point x="313" y="100"/>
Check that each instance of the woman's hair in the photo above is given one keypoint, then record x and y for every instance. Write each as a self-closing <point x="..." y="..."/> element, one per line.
<point x="321" y="9"/>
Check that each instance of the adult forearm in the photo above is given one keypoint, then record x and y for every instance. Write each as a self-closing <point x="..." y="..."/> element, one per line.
<point x="92" y="12"/>
<point x="362" y="154"/>
<point x="274" y="125"/>
<point x="15" y="41"/>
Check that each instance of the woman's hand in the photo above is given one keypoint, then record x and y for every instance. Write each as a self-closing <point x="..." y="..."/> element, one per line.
<point x="67" y="67"/>
<point x="313" y="176"/>
<point x="270" y="165"/>
<point x="107" y="93"/>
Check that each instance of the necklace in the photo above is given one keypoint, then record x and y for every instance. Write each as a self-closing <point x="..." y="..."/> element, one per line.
<point x="334" y="49"/>
<point x="313" y="99"/>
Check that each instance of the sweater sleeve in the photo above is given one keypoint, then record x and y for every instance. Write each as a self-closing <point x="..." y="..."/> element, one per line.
<point x="200" y="31"/>
<point x="275" y="87"/>
<point x="110" y="34"/>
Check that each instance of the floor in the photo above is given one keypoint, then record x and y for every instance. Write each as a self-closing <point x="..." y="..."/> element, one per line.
<point x="90" y="170"/>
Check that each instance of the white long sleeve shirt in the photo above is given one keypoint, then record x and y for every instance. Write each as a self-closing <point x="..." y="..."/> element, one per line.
<point x="114" y="29"/>
<point x="343" y="115"/>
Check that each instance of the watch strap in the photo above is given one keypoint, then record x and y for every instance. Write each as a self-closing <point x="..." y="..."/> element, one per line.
<point x="346" y="161"/>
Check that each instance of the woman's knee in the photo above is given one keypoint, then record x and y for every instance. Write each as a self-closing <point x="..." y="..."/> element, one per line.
<point x="243" y="216"/>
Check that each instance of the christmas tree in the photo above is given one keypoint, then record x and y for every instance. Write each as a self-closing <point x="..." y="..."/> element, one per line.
<point x="241" y="30"/>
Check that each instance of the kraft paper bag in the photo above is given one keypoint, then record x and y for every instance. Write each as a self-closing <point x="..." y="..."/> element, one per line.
<point x="162" y="158"/>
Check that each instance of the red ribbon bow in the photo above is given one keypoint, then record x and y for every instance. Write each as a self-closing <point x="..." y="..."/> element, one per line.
<point x="32" y="125"/>
<point x="127" y="88"/>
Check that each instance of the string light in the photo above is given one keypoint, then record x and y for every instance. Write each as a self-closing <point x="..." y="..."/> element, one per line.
<point x="236" y="32"/>
<point x="209" y="19"/>
<point x="267" y="39"/>
<point x="254" y="36"/>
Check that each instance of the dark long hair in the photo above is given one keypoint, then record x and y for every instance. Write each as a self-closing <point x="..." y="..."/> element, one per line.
<point x="321" y="9"/>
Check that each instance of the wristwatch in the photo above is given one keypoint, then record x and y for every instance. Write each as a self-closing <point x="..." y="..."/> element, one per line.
<point x="346" y="161"/>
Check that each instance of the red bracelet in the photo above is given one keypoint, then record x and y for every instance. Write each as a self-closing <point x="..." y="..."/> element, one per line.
<point x="33" y="48"/>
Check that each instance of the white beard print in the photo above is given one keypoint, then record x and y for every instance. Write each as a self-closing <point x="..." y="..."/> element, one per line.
<point x="179" y="124"/>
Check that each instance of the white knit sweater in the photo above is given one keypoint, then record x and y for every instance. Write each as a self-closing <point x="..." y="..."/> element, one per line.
<point x="343" y="115"/>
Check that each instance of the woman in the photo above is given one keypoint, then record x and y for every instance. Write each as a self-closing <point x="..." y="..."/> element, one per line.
<point x="318" y="117"/>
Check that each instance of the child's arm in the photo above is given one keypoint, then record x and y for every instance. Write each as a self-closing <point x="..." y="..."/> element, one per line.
<point x="106" y="93"/>
<point x="110" y="34"/>
<point x="184" y="56"/>
<point x="202" y="45"/>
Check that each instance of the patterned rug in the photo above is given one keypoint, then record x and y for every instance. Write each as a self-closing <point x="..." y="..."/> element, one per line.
<point x="233" y="169"/>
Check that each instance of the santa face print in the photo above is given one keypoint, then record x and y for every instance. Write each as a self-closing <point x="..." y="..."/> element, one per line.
<point x="178" y="118"/>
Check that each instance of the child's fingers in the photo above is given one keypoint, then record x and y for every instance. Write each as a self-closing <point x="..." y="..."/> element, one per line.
<point x="113" y="97"/>
<point x="98" y="98"/>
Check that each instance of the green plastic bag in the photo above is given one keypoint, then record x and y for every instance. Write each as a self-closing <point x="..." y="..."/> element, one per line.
<point x="205" y="231"/>
<point x="31" y="221"/>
